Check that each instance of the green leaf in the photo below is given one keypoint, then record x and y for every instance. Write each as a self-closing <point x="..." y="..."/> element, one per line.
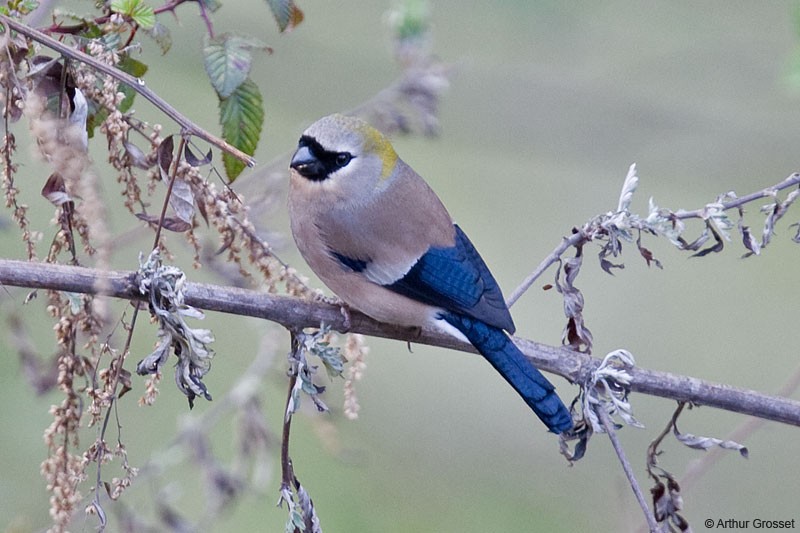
<point x="145" y="17"/>
<point x="95" y="119"/>
<point x="227" y="60"/>
<point x="134" y="68"/>
<point x="142" y="14"/>
<point x="20" y="7"/>
<point x="242" y="117"/>
<point x="286" y="14"/>
<point x="411" y="19"/>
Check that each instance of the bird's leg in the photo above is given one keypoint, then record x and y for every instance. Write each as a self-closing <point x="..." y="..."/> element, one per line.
<point x="416" y="332"/>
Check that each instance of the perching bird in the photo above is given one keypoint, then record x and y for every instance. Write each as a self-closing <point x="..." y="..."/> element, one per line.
<point x="379" y="237"/>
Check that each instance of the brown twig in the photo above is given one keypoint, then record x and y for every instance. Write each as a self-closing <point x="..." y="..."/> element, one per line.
<point x="790" y="181"/>
<point x="131" y="328"/>
<point x="608" y="426"/>
<point x="173" y="176"/>
<point x="553" y="257"/>
<point x="294" y="313"/>
<point x="698" y="468"/>
<point x="137" y="84"/>
<point x="287" y="472"/>
<point x="586" y="233"/>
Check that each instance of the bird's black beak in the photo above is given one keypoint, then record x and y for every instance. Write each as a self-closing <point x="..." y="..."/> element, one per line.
<point x="308" y="165"/>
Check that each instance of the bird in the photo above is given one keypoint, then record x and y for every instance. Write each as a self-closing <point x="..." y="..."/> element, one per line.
<point x="380" y="238"/>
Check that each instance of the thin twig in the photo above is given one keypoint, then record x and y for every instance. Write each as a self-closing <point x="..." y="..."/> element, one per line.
<point x="288" y="479"/>
<point x="653" y="447"/>
<point x="137" y="84"/>
<point x="553" y="257"/>
<point x="790" y="181"/>
<point x="608" y="426"/>
<point x="582" y="235"/>
<point x="653" y="452"/>
<point x="287" y="472"/>
<point x="170" y="186"/>
<point x="129" y="337"/>
<point x="295" y="313"/>
<point x="156" y="241"/>
<point x="698" y="468"/>
<point x="101" y="450"/>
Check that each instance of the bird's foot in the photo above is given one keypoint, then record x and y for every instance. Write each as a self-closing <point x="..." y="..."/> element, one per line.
<point x="344" y="309"/>
<point x="347" y="323"/>
<point x="416" y="333"/>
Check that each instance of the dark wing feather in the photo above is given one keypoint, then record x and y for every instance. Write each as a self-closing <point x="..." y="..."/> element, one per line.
<point x="456" y="279"/>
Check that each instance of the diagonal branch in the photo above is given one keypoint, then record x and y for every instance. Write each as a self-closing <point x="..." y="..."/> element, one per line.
<point x="294" y="313"/>
<point x="591" y="230"/>
<point x="608" y="426"/>
<point x="137" y="84"/>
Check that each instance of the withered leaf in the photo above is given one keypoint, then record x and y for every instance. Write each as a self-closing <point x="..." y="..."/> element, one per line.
<point x="182" y="200"/>
<point x="170" y="223"/>
<point x="718" y="245"/>
<point x="193" y="160"/>
<point x="607" y="265"/>
<point x="55" y="191"/>
<point x="125" y="380"/>
<point x="136" y="156"/>
<point x="165" y="150"/>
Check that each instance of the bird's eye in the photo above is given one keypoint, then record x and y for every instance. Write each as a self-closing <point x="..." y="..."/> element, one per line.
<point x="342" y="159"/>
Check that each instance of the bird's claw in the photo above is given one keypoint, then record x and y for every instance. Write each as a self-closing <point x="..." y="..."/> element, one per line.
<point x="346" y="323"/>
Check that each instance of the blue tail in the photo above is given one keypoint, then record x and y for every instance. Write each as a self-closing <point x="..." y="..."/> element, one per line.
<point x="518" y="371"/>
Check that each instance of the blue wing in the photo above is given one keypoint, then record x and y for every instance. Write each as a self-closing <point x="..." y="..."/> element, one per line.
<point x="456" y="279"/>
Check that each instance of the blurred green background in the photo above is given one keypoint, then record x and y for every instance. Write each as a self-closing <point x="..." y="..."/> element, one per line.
<point x="550" y="103"/>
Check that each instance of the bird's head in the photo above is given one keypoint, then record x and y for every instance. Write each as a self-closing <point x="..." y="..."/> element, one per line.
<point x="344" y="153"/>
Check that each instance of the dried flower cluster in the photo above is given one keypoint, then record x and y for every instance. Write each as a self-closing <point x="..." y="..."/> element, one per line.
<point x="63" y="99"/>
<point x="355" y="351"/>
<point x="66" y="101"/>
<point x="64" y="469"/>
<point x="89" y="387"/>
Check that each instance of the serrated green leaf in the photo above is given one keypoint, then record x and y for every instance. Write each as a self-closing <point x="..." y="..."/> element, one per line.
<point x="242" y="117"/>
<point x="142" y="14"/>
<point x="286" y="14"/>
<point x="227" y="60"/>
<point x="145" y="17"/>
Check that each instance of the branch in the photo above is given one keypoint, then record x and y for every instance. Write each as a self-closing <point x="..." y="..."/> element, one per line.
<point x="554" y="256"/>
<point x="137" y="84"/>
<point x="293" y="313"/>
<point x="790" y="181"/>
<point x="608" y="426"/>
<point x="604" y="227"/>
